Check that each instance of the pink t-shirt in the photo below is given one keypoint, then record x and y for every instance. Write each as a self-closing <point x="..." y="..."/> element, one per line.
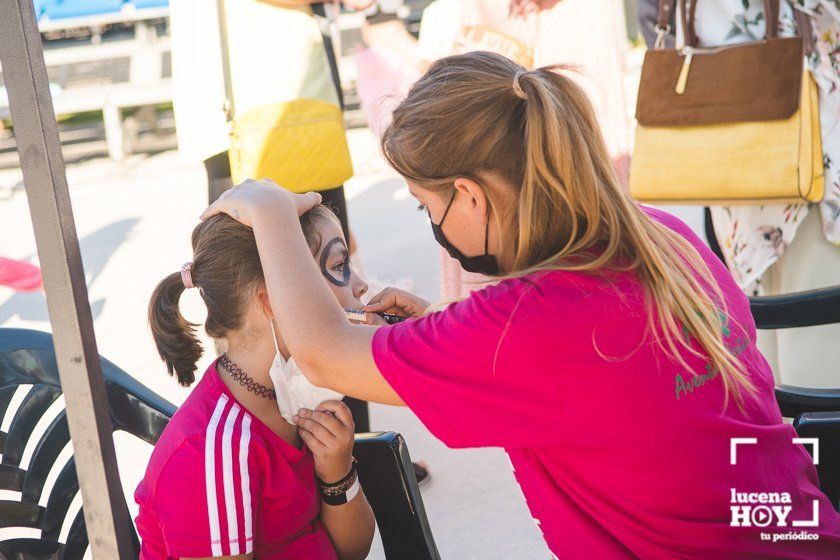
<point x="619" y="451"/>
<point x="220" y="482"/>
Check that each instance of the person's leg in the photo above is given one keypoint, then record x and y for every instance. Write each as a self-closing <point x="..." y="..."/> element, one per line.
<point x="218" y="175"/>
<point x="808" y="357"/>
<point x="334" y="199"/>
<point x="361" y="416"/>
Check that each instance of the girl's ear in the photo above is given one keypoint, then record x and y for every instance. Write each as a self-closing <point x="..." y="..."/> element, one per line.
<point x="264" y="302"/>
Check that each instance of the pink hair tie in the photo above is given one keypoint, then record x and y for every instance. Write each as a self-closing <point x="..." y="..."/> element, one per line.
<point x="186" y="275"/>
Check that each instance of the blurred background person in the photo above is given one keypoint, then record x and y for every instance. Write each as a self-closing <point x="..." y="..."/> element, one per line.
<point x="782" y="248"/>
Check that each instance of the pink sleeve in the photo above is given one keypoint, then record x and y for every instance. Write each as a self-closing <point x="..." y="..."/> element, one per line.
<point x="190" y="503"/>
<point x="185" y="528"/>
<point x="447" y="368"/>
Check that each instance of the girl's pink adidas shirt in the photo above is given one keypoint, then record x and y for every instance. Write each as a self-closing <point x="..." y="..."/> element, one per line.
<point x="220" y="483"/>
<point x="619" y="450"/>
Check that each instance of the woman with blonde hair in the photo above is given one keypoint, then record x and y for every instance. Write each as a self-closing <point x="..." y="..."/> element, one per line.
<point x="614" y="359"/>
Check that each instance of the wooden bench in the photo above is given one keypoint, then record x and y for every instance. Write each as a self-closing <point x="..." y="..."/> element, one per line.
<point x="145" y="85"/>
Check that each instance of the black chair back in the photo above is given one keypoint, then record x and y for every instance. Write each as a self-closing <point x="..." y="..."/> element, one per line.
<point x="388" y="479"/>
<point x="815" y="412"/>
<point x="824" y="427"/>
<point x="27" y="363"/>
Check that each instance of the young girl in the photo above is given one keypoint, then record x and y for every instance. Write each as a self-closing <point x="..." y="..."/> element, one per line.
<point x="230" y="477"/>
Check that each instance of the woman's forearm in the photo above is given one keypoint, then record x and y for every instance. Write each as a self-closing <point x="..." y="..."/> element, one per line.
<point x="306" y="311"/>
<point x="330" y="351"/>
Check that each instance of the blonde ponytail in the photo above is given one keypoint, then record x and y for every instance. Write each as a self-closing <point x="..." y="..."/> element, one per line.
<point x="482" y="113"/>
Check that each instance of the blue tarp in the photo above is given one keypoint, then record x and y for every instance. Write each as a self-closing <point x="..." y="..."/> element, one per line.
<point x="60" y="9"/>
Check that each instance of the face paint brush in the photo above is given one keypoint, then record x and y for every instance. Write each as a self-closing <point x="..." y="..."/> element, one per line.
<point x="359" y="316"/>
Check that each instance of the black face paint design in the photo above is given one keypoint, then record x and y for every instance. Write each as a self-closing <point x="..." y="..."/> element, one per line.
<point x="339" y="278"/>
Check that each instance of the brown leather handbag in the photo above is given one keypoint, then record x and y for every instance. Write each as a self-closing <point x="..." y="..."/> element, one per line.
<point x="728" y="125"/>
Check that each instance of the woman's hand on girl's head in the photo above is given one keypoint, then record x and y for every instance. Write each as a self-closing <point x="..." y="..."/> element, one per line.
<point x="246" y="201"/>
<point x="397" y="302"/>
<point x="328" y="433"/>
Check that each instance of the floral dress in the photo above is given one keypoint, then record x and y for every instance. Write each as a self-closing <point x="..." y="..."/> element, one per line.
<point x="752" y="238"/>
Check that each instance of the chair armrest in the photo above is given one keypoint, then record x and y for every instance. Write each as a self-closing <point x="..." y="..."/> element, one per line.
<point x="794" y="401"/>
<point x="800" y="309"/>
<point x="824" y="427"/>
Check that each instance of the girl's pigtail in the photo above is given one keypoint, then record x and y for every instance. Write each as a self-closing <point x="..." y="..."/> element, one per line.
<point x="174" y="336"/>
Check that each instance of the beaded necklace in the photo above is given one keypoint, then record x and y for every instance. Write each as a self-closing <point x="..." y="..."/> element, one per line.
<point x="246" y="380"/>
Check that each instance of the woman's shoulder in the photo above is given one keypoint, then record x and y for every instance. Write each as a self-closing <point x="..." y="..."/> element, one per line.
<point x="534" y="298"/>
<point x="671" y="222"/>
<point x="544" y="287"/>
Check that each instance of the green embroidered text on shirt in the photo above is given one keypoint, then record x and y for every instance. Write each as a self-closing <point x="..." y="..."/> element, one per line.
<point x="682" y="386"/>
<point x="724" y="326"/>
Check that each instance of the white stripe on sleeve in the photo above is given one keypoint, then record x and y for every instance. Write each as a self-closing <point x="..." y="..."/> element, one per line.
<point x="210" y="476"/>
<point x="245" y="479"/>
<point x="227" y="470"/>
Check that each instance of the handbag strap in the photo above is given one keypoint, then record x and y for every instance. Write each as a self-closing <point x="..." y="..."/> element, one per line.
<point x="319" y="10"/>
<point x="688" y="9"/>
<point x="663" y="21"/>
<point x="806" y="29"/>
<point x="226" y="78"/>
<point x="663" y="15"/>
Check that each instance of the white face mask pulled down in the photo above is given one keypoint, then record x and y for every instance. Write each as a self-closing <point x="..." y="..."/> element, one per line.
<point x="293" y="389"/>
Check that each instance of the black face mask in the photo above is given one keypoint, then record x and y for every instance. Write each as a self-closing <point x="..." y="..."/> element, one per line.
<point x="482" y="264"/>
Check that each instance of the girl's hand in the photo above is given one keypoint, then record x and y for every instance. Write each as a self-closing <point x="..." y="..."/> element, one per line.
<point x="328" y="433"/>
<point x="397" y="302"/>
<point x="246" y="201"/>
